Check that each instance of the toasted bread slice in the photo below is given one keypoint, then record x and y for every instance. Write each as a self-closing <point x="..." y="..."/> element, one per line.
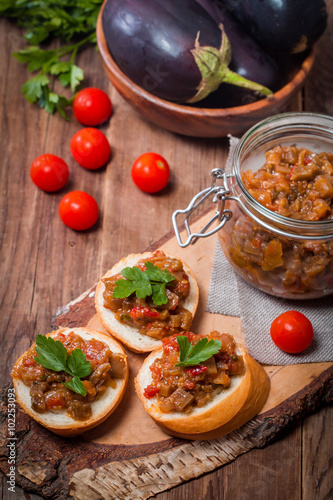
<point x="222" y="414"/>
<point x="58" y="421"/>
<point x="127" y="334"/>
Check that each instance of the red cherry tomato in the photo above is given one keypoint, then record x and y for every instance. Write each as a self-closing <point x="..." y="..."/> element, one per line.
<point x="49" y="172"/>
<point x="150" y="172"/>
<point x="92" y="106"/>
<point x="292" y="332"/>
<point x="90" y="148"/>
<point x="78" y="210"/>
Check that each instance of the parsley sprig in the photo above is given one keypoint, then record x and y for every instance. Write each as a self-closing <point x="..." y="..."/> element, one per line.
<point x="190" y="355"/>
<point x="151" y="282"/>
<point x="69" y="20"/>
<point x="52" y="354"/>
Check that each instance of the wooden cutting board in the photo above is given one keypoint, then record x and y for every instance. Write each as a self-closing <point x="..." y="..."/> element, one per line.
<point x="128" y="456"/>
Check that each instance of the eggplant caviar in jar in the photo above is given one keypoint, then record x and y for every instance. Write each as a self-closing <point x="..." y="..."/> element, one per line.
<point x="276" y="206"/>
<point x="280" y="236"/>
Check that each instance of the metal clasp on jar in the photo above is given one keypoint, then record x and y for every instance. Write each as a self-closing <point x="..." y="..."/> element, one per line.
<point x="221" y="193"/>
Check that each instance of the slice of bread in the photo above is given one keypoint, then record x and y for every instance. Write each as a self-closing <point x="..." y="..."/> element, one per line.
<point x="127" y="334"/>
<point x="222" y="414"/>
<point x="58" y="421"/>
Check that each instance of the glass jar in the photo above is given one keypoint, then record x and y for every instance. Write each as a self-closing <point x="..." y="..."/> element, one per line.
<point x="284" y="257"/>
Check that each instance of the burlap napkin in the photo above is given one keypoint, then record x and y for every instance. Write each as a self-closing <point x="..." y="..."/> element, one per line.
<point x="230" y="295"/>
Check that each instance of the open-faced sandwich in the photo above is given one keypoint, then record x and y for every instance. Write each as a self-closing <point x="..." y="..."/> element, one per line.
<point x="201" y="386"/>
<point x="145" y="298"/>
<point x="71" y="380"/>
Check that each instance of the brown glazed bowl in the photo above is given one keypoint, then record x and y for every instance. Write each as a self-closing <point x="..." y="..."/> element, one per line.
<point x="195" y="121"/>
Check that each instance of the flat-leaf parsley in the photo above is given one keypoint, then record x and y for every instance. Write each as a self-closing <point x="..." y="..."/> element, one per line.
<point x="190" y="355"/>
<point x="52" y="354"/>
<point x="151" y="282"/>
<point x="44" y="20"/>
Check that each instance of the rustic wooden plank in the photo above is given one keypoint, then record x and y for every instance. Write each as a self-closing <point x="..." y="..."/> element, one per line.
<point x="34" y="242"/>
<point x="20" y="132"/>
<point x="142" y="218"/>
<point x="32" y="292"/>
<point x="317" y="467"/>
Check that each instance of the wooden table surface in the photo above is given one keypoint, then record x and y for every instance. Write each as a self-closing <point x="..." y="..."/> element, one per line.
<point x="44" y="264"/>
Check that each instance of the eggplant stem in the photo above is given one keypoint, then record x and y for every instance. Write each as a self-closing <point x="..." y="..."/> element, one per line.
<point x="235" y="79"/>
<point x="213" y="65"/>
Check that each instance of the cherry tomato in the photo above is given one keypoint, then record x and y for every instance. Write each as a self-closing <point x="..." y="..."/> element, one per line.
<point x="292" y="332"/>
<point x="150" y="172"/>
<point x="49" y="172"/>
<point x="92" y="106"/>
<point x="90" y="148"/>
<point x="78" y="210"/>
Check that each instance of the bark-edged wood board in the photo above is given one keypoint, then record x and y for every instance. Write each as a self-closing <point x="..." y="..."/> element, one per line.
<point x="128" y="456"/>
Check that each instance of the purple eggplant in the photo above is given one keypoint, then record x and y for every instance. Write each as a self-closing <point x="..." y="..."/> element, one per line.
<point x="281" y="25"/>
<point x="249" y="59"/>
<point x="171" y="48"/>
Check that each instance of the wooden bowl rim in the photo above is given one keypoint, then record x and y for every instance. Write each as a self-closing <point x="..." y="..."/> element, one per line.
<point x="182" y="109"/>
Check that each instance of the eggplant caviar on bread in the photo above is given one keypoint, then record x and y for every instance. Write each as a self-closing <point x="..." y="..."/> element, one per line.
<point x="71" y="379"/>
<point x="201" y="386"/>
<point x="146" y="297"/>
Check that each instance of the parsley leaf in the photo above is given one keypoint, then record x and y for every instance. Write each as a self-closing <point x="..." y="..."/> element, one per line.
<point x="132" y="273"/>
<point x="194" y="355"/>
<point x="77" y="363"/>
<point x="75" y="385"/>
<point x="76" y="76"/>
<point x="159" y="294"/>
<point x="124" y="288"/>
<point x="35" y="57"/>
<point x="185" y="347"/>
<point x="154" y="273"/>
<point x="136" y="281"/>
<point x="33" y="88"/>
<point x="52" y="354"/>
<point x="151" y="282"/>
<point x="60" y="67"/>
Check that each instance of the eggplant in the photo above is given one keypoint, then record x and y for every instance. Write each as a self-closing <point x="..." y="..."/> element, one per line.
<point x="248" y="59"/>
<point x="281" y="25"/>
<point x="172" y="49"/>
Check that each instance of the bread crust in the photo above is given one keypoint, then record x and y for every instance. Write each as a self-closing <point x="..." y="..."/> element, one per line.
<point x="129" y="335"/>
<point x="60" y="423"/>
<point x="224" y="413"/>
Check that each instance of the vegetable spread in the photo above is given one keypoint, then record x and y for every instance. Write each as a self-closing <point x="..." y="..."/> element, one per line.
<point x="180" y="388"/>
<point x="295" y="183"/>
<point x="46" y="386"/>
<point x="156" y="321"/>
